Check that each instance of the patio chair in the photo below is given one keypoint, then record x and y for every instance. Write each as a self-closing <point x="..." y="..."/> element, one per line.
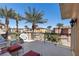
<point x="3" y="42"/>
<point x="23" y="37"/>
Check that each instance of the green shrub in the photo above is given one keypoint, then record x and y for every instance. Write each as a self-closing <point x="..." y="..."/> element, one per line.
<point x="51" y="37"/>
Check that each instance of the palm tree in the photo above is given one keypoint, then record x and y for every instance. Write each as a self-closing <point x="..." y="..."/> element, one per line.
<point x="0" y="24"/>
<point x="7" y="13"/>
<point x="59" y="26"/>
<point x="26" y="26"/>
<point x="34" y="16"/>
<point x="18" y="18"/>
<point x="49" y="27"/>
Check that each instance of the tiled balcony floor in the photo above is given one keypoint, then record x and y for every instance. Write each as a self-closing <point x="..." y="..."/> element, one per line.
<point x="46" y="49"/>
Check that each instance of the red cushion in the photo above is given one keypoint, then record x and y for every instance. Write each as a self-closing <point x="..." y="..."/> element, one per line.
<point x="31" y="53"/>
<point x="14" y="48"/>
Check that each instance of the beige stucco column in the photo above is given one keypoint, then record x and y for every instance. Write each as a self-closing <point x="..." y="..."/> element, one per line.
<point x="77" y="38"/>
<point x="74" y="38"/>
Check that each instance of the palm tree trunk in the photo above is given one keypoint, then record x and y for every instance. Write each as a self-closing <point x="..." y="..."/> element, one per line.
<point x="17" y="30"/>
<point x="17" y="26"/>
<point x="33" y="27"/>
<point x="7" y="27"/>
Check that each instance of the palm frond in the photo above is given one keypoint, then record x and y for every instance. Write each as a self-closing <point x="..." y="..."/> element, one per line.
<point x="42" y="21"/>
<point x="10" y="13"/>
<point x="18" y="17"/>
<point x="34" y="16"/>
<point x="4" y="12"/>
<point x="1" y="13"/>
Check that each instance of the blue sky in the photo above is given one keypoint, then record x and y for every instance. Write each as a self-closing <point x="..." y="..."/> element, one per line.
<point x="51" y="11"/>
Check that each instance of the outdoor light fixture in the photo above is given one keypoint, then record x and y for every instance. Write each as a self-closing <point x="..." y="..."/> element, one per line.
<point x="72" y="22"/>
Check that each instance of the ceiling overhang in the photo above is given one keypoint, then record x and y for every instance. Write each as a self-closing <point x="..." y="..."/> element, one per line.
<point x="69" y="10"/>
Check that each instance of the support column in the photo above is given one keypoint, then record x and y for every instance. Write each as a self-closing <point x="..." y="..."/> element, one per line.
<point x="77" y="38"/>
<point x="73" y="37"/>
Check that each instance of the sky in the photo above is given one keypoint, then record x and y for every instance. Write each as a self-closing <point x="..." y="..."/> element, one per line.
<point x="51" y="12"/>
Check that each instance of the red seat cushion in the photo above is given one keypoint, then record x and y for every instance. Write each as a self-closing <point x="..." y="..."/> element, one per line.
<point x="14" y="48"/>
<point x="31" y="53"/>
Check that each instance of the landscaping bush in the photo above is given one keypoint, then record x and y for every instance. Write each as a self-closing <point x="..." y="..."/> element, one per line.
<point x="53" y="37"/>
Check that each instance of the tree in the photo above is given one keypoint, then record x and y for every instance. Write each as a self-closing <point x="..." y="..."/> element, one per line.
<point x="53" y="37"/>
<point x="7" y="14"/>
<point x="0" y="24"/>
<point x="26" y="26"/>
<point x="34" y="16"/>
<point x="59" y="26"/>
<point x="18" y="18"/>
<point x="49" y="27"/>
